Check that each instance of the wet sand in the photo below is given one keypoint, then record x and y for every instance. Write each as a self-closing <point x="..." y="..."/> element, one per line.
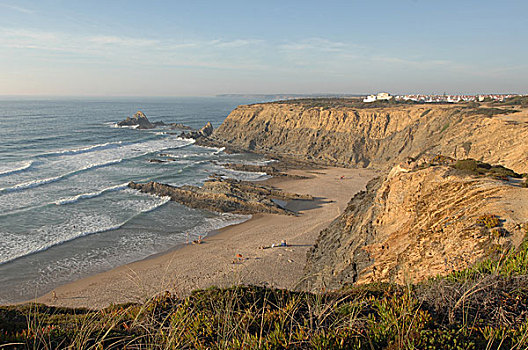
<point x="215" y="261"/>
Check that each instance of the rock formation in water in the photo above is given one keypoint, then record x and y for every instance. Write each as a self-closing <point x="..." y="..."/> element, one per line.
<point x="139" y="119"/>
<point x="205" y="131"/>
<point x="224" y="195"/>
<point x="340" y="133"/>
<point x="420" y="221"/>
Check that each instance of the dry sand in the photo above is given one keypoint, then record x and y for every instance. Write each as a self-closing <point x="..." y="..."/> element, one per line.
<point x="214" y="262"/>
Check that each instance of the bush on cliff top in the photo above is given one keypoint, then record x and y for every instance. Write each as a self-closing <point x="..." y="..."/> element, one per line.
<point x="475" y="167"/>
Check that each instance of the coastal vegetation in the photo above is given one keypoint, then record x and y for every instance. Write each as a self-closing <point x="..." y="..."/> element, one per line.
<point x="484" y="306"/>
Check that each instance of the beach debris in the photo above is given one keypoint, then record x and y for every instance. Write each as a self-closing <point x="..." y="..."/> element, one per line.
<point x="238" y="258"/>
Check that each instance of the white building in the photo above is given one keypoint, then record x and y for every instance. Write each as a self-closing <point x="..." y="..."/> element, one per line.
<point x="370" y="98"/>
<point x="382" y="96"/>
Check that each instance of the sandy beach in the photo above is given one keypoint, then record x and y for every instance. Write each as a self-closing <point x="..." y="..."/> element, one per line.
<point x="215" y="262"/>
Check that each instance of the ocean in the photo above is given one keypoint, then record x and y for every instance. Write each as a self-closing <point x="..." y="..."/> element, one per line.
<point x="65" y="209"/>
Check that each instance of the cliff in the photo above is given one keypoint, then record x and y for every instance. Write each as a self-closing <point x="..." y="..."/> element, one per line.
<point x="418" y="220"/>
<point x="379" y="136"/>
<point x="416" y="223"/>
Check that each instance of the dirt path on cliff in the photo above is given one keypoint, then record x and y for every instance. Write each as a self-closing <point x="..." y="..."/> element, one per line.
<point x="215" y="261"/>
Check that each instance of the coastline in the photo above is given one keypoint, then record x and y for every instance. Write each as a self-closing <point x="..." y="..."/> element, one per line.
<point x="184" y="268"/>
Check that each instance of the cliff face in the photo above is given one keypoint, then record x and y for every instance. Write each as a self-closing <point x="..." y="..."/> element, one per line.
<point x="413" y="224"/>
<point x="377" y="137"/>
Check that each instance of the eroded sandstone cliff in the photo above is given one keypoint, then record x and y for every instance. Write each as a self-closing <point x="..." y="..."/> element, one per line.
<point x="378" y="136"/>
<point x="413" y="224"/>
<point x="415" y="221"/>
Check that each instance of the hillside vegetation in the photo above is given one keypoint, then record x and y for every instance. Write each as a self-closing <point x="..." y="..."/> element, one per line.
<point x="485" y="306"/>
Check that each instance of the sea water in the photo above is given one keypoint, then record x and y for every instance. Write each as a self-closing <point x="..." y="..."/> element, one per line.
<point x="65" y="209"/>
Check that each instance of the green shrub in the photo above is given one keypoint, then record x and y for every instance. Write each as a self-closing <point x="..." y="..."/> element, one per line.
<point x="488" y="220"/>
<point x="478" y="168"/>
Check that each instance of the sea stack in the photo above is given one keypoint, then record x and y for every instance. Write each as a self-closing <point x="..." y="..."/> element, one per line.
<point x="139" y="119"/>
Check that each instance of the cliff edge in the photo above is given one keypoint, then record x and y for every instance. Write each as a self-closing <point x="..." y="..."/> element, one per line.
<point x="416" y="223"/>
<point x="377" y="137"/>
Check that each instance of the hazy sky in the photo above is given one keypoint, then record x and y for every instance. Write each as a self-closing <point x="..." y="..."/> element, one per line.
<point x="177" y="48"/>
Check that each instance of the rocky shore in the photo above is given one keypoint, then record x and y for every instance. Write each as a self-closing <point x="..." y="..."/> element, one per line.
<point x="225" y="195"/>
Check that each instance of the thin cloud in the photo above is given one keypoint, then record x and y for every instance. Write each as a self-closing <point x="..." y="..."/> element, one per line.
<point x="318" y="44"/>
<point x="115" y="40"/>
<point x="17" y="8"/>
<point x="237" y="43"/>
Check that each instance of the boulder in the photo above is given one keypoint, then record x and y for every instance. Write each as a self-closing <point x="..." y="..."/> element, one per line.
<point x="204" y="132"/>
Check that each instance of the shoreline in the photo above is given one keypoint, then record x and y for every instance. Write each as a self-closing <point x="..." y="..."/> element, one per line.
<point x="186" y="267"/>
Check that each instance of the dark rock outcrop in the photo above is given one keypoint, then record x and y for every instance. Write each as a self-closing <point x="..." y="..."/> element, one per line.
<point x="139" y="119"/>
<point x="224" y="195"/>
<point x="179" y="126"/>
<point x="204" y="132"/>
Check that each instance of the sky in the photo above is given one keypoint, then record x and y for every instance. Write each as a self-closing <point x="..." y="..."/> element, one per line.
<point x="203" y="48"/>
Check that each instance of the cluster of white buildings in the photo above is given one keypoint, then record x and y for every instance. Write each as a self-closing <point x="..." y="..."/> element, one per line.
<point x="385" y="96"/>
<point x="453" y="98"/>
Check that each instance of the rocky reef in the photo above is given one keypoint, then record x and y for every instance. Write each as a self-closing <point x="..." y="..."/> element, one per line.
<point x="225" y="195"/>
<point x="420" y="220"/>
<point x="140" y="121"/>
<point x="380" y="136"/>
<point x="205" y="131"/>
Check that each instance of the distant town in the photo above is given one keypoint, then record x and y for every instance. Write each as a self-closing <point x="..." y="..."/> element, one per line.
<point x="384" y="96"/>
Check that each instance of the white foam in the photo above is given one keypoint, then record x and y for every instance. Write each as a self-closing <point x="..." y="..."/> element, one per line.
<point x="216" y="223"/>
<point x="220" y="150"/>
<point x="19" y="167"/>
<point x="40" y="182"/>
<point x="16" y="246"/>
<point x="125" y="126"/>
<point x="242" y="175"/>
<point x="84" y="149"/>
<point x="74" y="199"/>
<point x="130" y="247"/>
